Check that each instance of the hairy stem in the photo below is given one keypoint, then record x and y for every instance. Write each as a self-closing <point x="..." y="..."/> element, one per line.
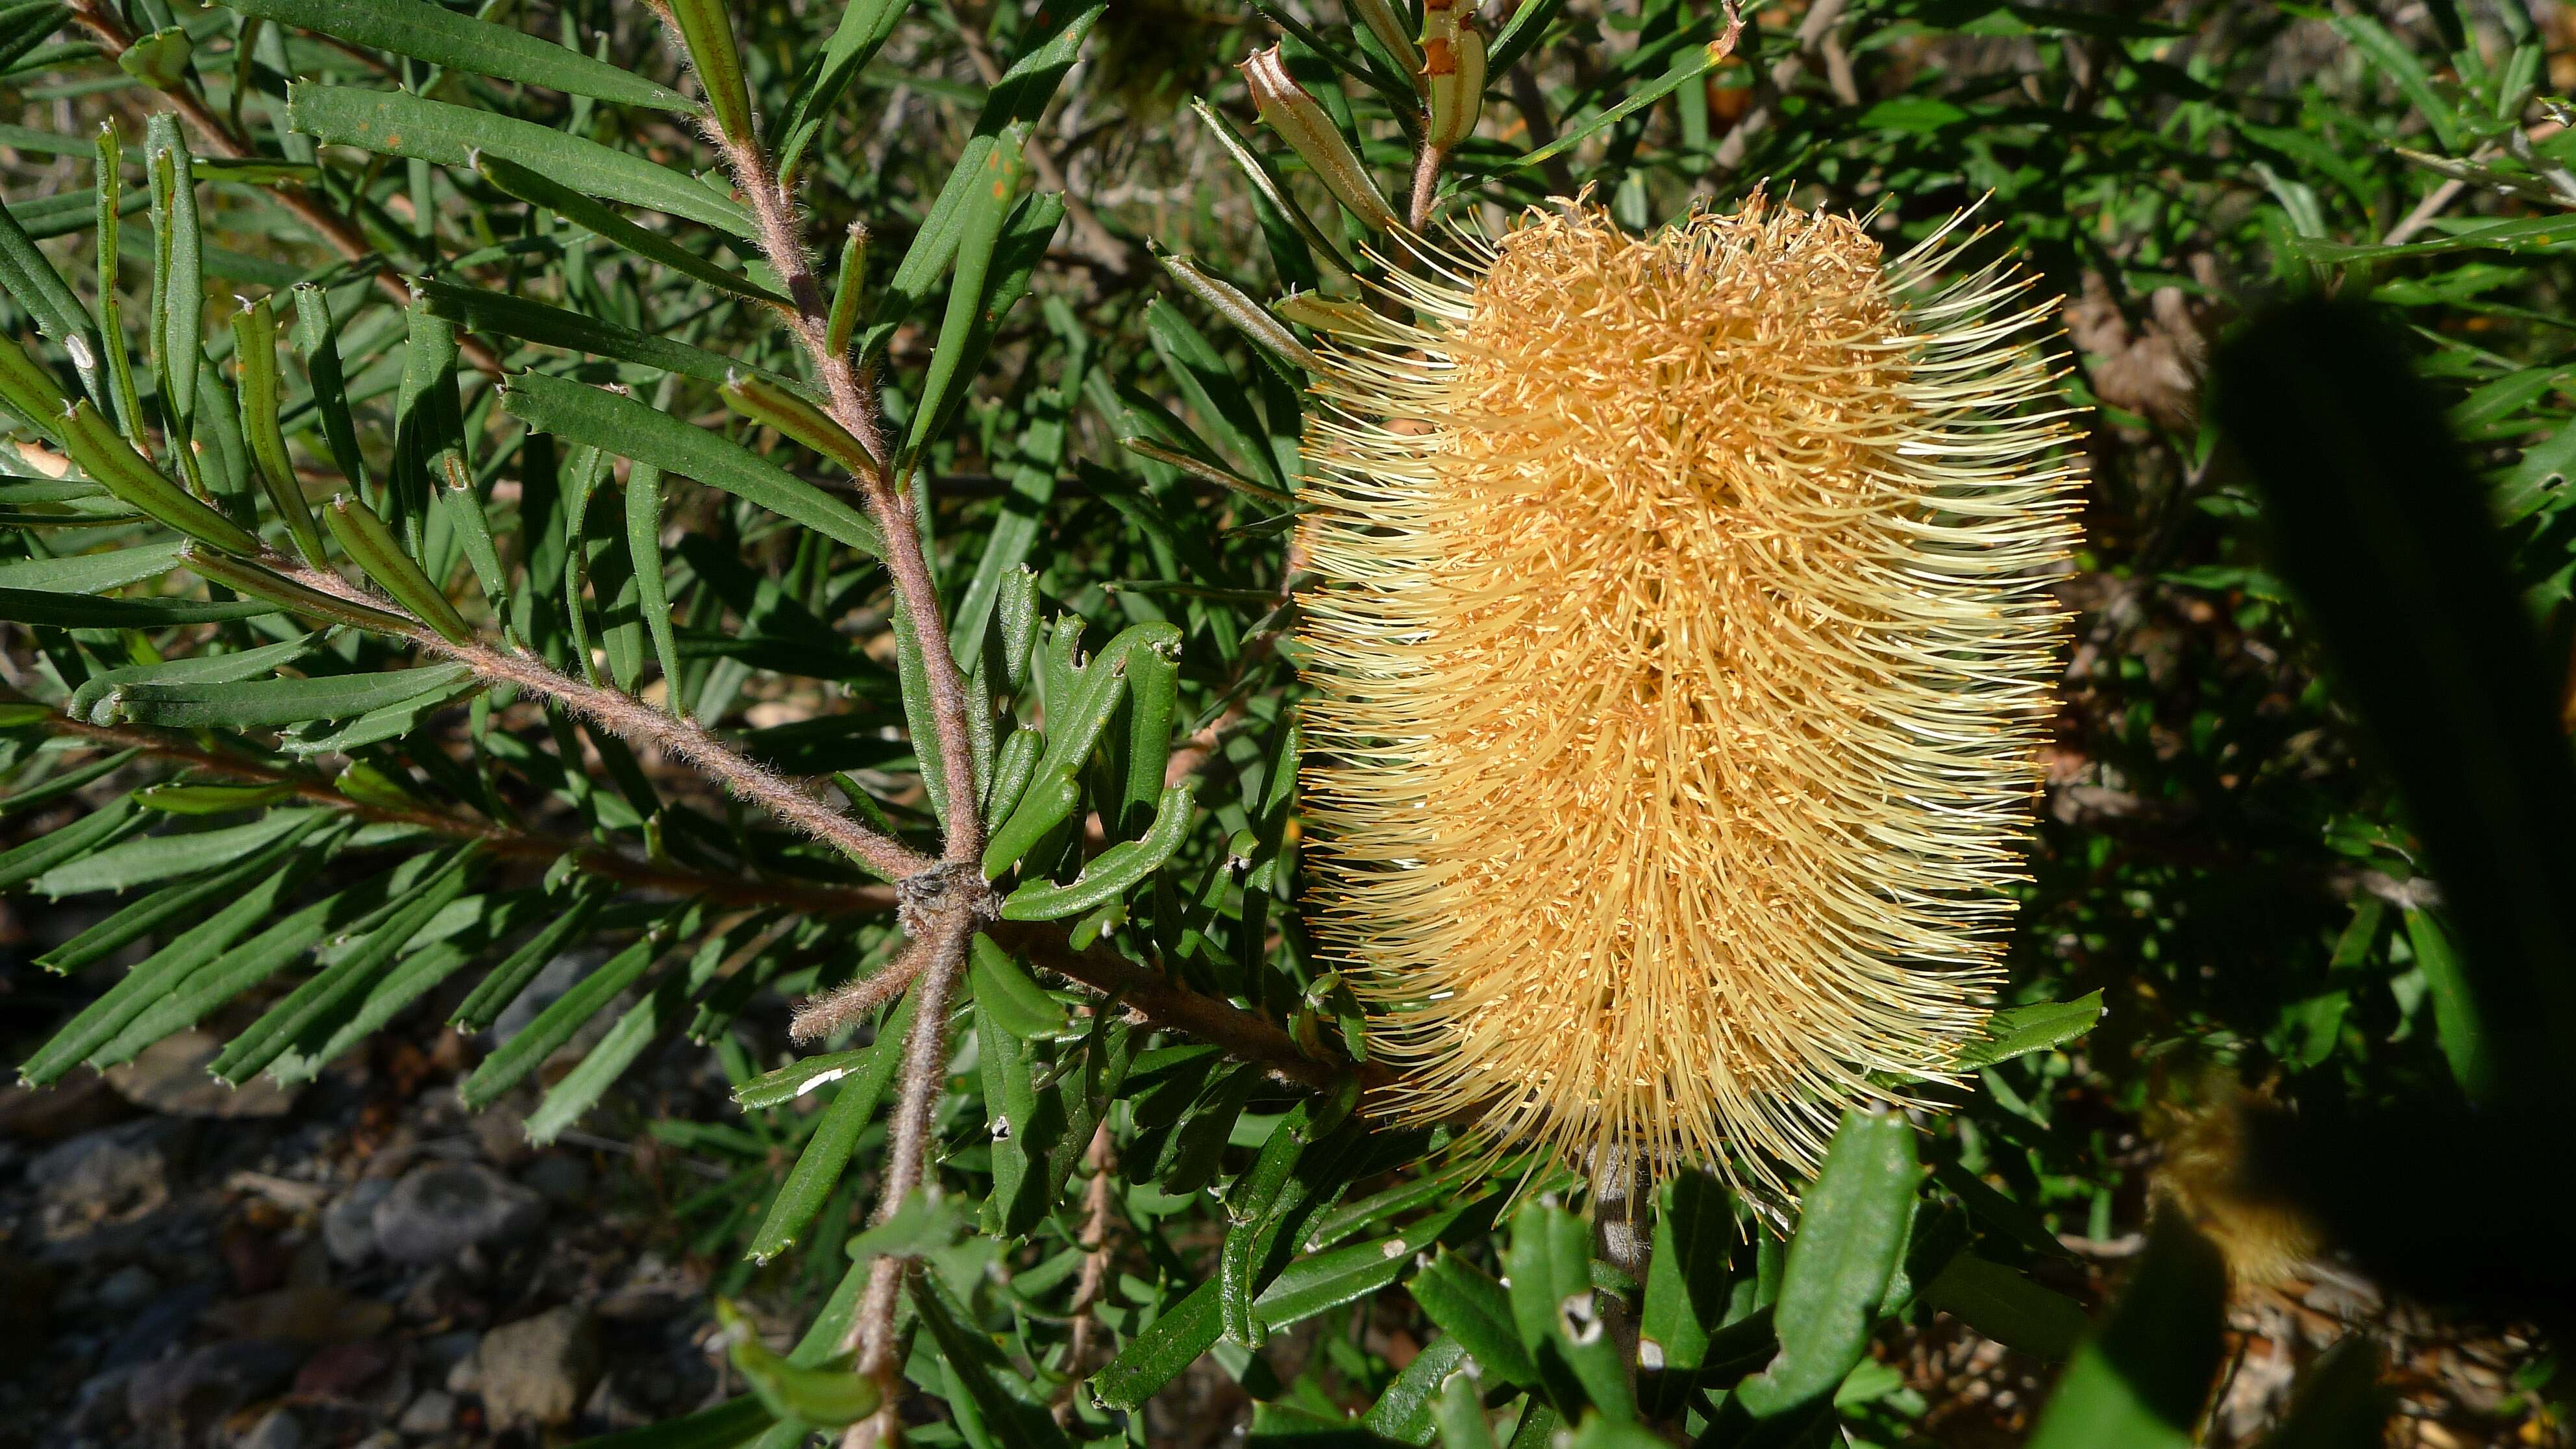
<point x="850" y="406"/>
<point x="793" y="802"/>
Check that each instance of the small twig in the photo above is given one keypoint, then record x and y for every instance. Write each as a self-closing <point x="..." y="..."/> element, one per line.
<point x="1426" y="185"/>
<point x="819" y="1016"/>
<point x="1100" y="1211"/>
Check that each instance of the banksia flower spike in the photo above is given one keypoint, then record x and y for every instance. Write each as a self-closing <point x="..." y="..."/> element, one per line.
<point x="1680" y="660"/>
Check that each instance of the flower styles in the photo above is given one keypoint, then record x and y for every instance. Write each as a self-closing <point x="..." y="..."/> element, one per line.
<point x="1680" y="664"/>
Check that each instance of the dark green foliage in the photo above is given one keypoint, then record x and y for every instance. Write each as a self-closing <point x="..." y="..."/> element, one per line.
<point x="580" y="514"/>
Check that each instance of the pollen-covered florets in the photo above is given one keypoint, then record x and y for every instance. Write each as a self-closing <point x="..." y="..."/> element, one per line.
<point x="1680" y="661"/>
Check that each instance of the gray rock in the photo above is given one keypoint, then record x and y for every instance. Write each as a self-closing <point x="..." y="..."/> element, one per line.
<point x="128" y="1287"/>
<point x="441" y="1209"/>
<point x="349" y="1223"/>
<point x="169" y="1077"/>
<point x="277" y="1429"/>
<point x="432" y="1413"/>
<point x="538" y="1370"/>
<point x="173" y="1401"/>
<point x="112" y="1175"/>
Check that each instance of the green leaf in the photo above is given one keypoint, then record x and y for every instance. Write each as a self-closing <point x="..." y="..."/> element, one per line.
<point x="90" y="573"/>
<point x="528" y="1049"/>
<point x="270" y="702"/>
<point x="2141" y="1381"/>
<point x="149" y="992"/>
<point x="974" y="1366"/>
<point x="396" y="123"/>
<point x="583" y="414"/>
<point x="2339" y="1404"/>
<point x="502" y="985"/>
<point x="441" y="36"/>
<point x="247" y="855"/>
<point x="372" y="547"/>
<point x="1161" y="1352"/>
<point x="987" y="200"/>
<point x="864" y="27"/>
<point x="1686" y="1279"/>
<point x="310" y="1008"/>
<point x="72" y="611"/>
<point x="1407" y="1410"/>
<point x="1557" y="1313"/>
<point x="1004" y="992"/>
<point x="707" y="34"/>
<point x="68" y="843"/>
<point x="1475" y="1310"/>
<point x="2007" y="1307"/>
<point x="2385" y="536"/>
<point x="478" y="309"/>
<point x="178" y="316"/>
<point x="1326" y="1281"/>
<point x="2027" y="1029"/>
<point x="538" y="189"/>
<point x="819" y="1167"/>
<point x="160" y="857"/>
<point x="829" y="1396"/>
<point x="33" y="283"/>
<point x="1851" y="1232"/>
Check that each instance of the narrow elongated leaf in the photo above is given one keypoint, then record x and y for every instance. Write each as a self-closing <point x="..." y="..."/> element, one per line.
<point x="828" y="1397"/>
<point x="1686" y="1279"/>
<point x="310" y="1006"/>
<point x="1475" y="1310"/>
<point x="396" y="123"/>
<point x="827" y="1153"/>
<point x="441" y="36"/>
<point x="2383" y="533"/>
<point x="77" y="611"/>
<point x="91" y="832"/>
<point x="707" y="34"/>
<point x="580" y="413"/>
<point x="2007" y="1307"/>
<point x="1158" y="1355"/>
<point x="1406" y="1411"/>
<point x="555" y="1025"/>
<point x="864" y="26"/>
<point x="160" y="857"/>
<point x="2027" y="1029"/>
<point x="91" y="573"/>
<point x="183" y="902"/>
<point x="480" y="310"/>
<point x="152" y="984"/>
<point x="271" y="702"/>
<point x="31" y="281"/>
<point x="539" y="189"/>
<point x="502" y="985"/>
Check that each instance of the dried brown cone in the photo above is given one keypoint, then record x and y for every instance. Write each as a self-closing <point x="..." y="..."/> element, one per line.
<point x="1680" y="666"/>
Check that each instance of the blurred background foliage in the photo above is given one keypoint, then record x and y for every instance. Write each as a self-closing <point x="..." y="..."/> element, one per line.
<point x="2222" y="869"/>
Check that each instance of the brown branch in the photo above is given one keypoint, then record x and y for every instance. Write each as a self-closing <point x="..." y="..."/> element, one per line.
<point x="851" y="407"/>
<point x="1100" y="1212"/>
<point x="220" y="137"/>
<point x="499" y="840"/>
<point x="1239" y="1033"/>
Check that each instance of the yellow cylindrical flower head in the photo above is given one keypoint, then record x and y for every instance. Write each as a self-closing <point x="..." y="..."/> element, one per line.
<point x="1680" y="663"/>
